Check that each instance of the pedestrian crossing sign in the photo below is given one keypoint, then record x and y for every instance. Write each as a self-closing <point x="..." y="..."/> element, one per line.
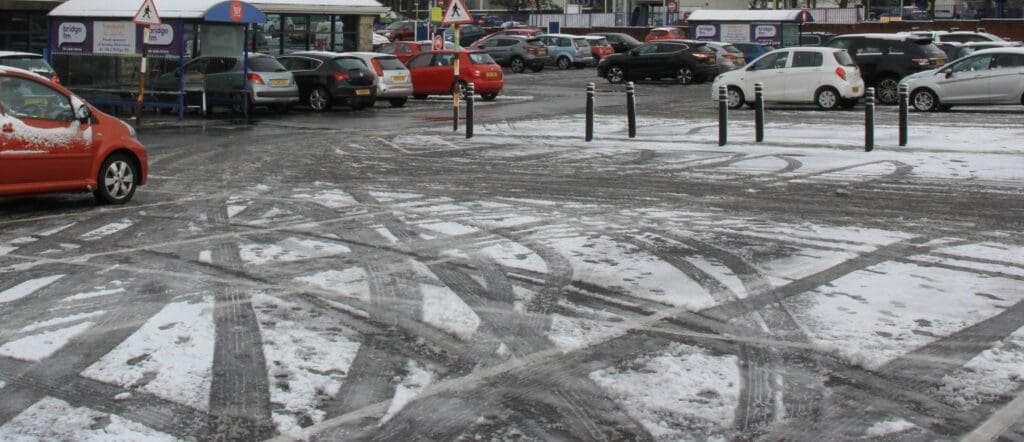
<point x="147" y="14"/>
<point x="456" y="13"/>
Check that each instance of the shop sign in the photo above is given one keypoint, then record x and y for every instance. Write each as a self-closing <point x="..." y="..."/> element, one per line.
<point x="705" y="32"/>
<point x="72" y="37"/>
<point x="735" y="33"/>
<point x="764" y="33"/>
<point x="114" y="37"/>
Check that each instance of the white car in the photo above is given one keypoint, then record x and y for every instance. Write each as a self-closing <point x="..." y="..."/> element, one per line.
<point x="824" y="76"/>
<point x="394" y="81"/>
<point x="989" y="76"/>
<point x="959" y="36"/>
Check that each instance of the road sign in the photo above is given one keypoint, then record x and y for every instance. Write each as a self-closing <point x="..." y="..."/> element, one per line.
<point x="147" y="14"/>
<point x="438" y="42"/>
<point x="457" y="13"/>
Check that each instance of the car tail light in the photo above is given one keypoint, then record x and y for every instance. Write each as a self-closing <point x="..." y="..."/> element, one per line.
<point x="921" y="61"/>
<point x="730" y="57"/>
<point x="376" y="67"/>
<point x="700" y="56"/>
<point x="841" y="72"/>
<point x="255" y="78"/>
<point x="340" y="76"/>
<point x="575" y="44"/>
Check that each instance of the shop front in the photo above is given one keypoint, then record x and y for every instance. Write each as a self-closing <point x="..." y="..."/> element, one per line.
<point x="320" y="25"/>
<point x="23" y="24"/>
<point x="775" y="27"/>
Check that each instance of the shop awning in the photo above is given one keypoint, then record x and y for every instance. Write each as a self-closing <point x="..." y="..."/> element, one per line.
<point x="210" y="10"/>
<point x="326" y="7"/>
<point x="751" y="15"/>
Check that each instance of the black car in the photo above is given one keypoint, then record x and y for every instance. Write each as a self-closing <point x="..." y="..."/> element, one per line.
<point x="815" y="38"/>
<point x="686" y="61"/>
<point x="468" y="34"/>
<point x="619" y="41"/>
<point x="884" y="59"/>
<point x="489" y="21"/>
<point x="328" y="78"/>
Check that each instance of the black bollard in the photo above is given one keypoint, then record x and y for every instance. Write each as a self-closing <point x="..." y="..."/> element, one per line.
<point x="869" y="119"/>
<point x="759" y="112"/>
<point x="904" y="112"/>
<point x="723" y="116"/>
<point x="590" y="112"/>
<point x="470" y="92"/>
<point x="631" y="108"/>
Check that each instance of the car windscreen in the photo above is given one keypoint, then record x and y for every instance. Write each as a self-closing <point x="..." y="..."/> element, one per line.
<point x="931" y="50"/>
<point x="390" y="63"/>
<point x="659" y="32"/>
<point x="265" y="64"/>
<point x="396" y="25"/>
<point x="582" y="42"/>
<point x="34" y="64"/>
<point x="480" y="58"/>
<point x="598" y="42"/>
<point x="629" y="39"/>
<point x="844" y="58"/>
<point x="348" y="64"/>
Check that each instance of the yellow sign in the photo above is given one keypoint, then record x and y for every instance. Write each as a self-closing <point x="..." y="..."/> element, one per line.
<point x="436" y="14"/>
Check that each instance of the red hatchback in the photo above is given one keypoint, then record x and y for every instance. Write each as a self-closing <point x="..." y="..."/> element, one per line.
<point x="666" y="33"/>
<point x="433" y="73"/>
<point x="53" y="141"/>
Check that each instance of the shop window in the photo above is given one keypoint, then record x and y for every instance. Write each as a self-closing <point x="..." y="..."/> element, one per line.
<point x="346" y="33"/>
<point x="320" y="29"/>
<point x="296" y="33"/>
<point x="267" y="36"/>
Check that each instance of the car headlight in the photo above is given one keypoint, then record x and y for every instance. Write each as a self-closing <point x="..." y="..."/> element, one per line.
<point x="131" y="130"/>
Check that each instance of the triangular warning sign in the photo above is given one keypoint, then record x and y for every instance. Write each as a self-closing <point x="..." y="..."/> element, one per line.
<point x="147" y="14"/>
<point x="457" y="13"/>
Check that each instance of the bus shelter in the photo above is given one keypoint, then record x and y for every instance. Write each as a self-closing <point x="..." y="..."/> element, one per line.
<point x="97" y="50"/>
<point x="779" y="27"/>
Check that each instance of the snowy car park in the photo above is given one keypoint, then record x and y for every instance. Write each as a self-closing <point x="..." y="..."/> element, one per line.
<point x="379" y="276"/>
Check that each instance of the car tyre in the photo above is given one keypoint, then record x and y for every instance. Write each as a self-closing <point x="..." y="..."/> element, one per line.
<point x="563" y="63"/>
<point x="517" y="64"/>
<point x="116" y="180"/>
<point x="736" y="98"/>
<point x="827" y="98"/>
<point x="615" y="75"/>
<point x="489" y="96"/>
<point x="888" y="90"/>
<point x="319" y="99"/>
<point x="925" y="100"/>
<point x="398" y="102"/>
<point x="684" y="75"/>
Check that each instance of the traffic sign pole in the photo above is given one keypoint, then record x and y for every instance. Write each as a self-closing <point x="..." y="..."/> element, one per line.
<point x="142" y="76"/>
<point x="456" y="86"/>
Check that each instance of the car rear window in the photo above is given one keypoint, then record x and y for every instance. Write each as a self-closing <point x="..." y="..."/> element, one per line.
<point x="932" y="51"/>
<point x="265" y="64"/>
<point x="34" y="64"/>
<point x="732" y="49"/>
<point x="599" y="42"/>
<point x="480" y="58"/>
<point x="349" y="64"/>
<point x="844" y="58"/>
<point x="658" y="32"/>
<point x="390" y="63"/>
<point x="581" y="42"/>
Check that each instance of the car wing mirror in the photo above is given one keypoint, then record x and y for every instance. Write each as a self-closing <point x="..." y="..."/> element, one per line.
<point x="82" y="112"/>
<point x="949" y="73"/>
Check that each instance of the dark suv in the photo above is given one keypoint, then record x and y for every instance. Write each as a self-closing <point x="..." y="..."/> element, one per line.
<point x="884" y="59"/>
<point x="686" y="61"/>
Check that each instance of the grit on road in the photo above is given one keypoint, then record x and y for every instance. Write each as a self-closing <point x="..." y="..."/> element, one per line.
<point x="374" y="275"/>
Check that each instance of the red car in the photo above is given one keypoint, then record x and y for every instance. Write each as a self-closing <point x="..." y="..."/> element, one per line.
<point x="666" y="33"/>
<point x="406" y="50"/>
<point x="526" y="32"/>
<point x="53" y="141"/>
<point x="433" y="73"/>
<point x="599" y="47"/>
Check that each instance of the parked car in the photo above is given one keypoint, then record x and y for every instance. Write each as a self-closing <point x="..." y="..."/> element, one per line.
<point x="665" y="33"/>
<point x="432" y="73"/>
<point x="729" y="57"/>
<point x="514" y="32"/>
<point x="954" y="50"/>
<point x="620" y="42"/>
<point x="815" y="38"/>
<point x="515" y="52"/>
<point x="686" y="61"/>
<point x="988" y="76"/>
<point x="467" y="34"/>
<point x="753" y="50"/>
<point x="599" y="47"/>
<point x="489" y="21"/>
<point x="29" y="62"/>
<point x="958" y="36"/>
<point x="406" y="50"/>
<point x="221" y="78"/>
<point x="884" y="59"/>
<point x="394" y="81"/>
<point x="565" y="50"/>
<point x="403" y="30"/>
<point x="53" y="141"/>
<point x="329" y="78"/>
<point x="827" y="77"/>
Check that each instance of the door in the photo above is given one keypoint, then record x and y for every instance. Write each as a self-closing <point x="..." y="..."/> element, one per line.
<point x="770" y="70"/>
<point x="41" y="142"/>
<point x="433" y="74"/>
<point x="967" y="81"/>
<point x="661" y="61"/>
<point x="803" y="76"/>
<point x="640" y="62"/>
<point x="304" y="71"/>
<point x="499" y="49"/>
<point x="1007" y="78"/>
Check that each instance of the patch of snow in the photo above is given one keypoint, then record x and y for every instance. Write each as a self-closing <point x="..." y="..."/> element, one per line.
<point x="416" y="379"/>
<point x="54" y="419"/>
<point x="22" y="240"/>
<point x="387" y="235"/>
<point x="43" y="345"/>
<point x="443" y="309"/>
<point x="170" y="356"/>
<point x="996" y="373"/>
<point x="568" y="333"/>
<point x="289" y="250"/>
<point x="334" y="199"/>
<point x="720" y="272"/>
<point x="449" y="228"/>
<point x="93" y="294"/>
<point x="892" y="426"/>
<point x="6" y="249"/>
<point x="27" y="288"/>
<point x="206" y="257"/>
<point x="523" y="298"/>
<point x="58" y="321"/>
<point x="123" y="396"/>
<point x="107" y="230"/>
<point x="385" y="197"/>
<point x="56" y="230"/>
<point x="352" y="282"/>
<point x="515" y="255"/>
<point x="235" y="209"/>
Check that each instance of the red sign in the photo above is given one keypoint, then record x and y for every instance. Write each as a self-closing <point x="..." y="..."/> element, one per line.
<point x="438" y="42"/>
<point x="236" y="11"/>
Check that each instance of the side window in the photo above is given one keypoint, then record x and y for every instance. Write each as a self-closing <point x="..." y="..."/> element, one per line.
<point x="387" y="49"/>
<point x="404" y="49"/>
<point x="807" y="59"/>
<point x="841" y="43"/>
<point x="1003" y="61"/>
<point x="647" y="49"/>
<point x="23" y="98"/>
<point x="668" y="48"/>
<point x="219" y="64"/>
<point x="507" y="42"/>
<point x="564" y="42"/>
<point x="772" y="61"/>
<point x="896" y="48"/>
<point x="287" y="62"/>
<point x="420" y="61"/>
<point x="868" y="47"/>
<point x="196" y="67"/>
<point x="443" y="60"/>
<point x="979" y="63"/>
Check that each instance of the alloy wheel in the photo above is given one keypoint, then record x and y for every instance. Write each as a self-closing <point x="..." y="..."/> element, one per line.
<point x="118" y="179"/>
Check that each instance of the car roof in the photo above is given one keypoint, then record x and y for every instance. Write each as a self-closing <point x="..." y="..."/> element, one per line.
<point x="666" y="28"/>
<point x="325" y="54"/>
<point x="898" y="36"/>
<point x="18" y="54"/>
<point x="561" y="35"/>
<point x="1006" y="50"/>
<point x="19" y="71"/>
<point x="370" y="55"/>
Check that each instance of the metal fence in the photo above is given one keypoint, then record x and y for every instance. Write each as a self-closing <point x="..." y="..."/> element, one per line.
<point x="821" y="15"/>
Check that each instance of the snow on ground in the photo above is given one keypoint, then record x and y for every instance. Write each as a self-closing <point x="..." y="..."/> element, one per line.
<point x="27" y="288"/>
<point x="59" y="321"/>
<point x="996" y="373"/>
<point x="572" y="333"/>
<point x="877" y="314"/>
<point x="7" y="249"/>
<point x="289" y="250"/>
<point x="602" y="261"/>
<point x="107" y="230"/>
<point x="682" y="393"/>
<point x="308" y="356"/>
<point x="206" y="257"/>
<point x="385" y="197"/>
<point x="56" y="230"/>
<point x="515" y="255"/>
<point x="720" y="272"/>
<point x="801" y="263"/>
<point x="889" y="427"/>
<point x="443" y="309"/>
<point x="416" y="379"/>
<point x="523" y="298"/>
<point x="41" y="346"/>
<point x="386" y="234"/>
<point x="449" y="228"/>
<point x="351" y="282"/>
<point x="334" y="199"/>
<point x="170" y="356"/>
<point x="99" y="291"/>
<point x="52" y="419"/>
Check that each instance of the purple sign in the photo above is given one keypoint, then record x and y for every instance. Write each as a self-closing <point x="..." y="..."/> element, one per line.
<point x="78" y="36"/>
<point x="72" y="36"/>
<point x="705" y="32"/>
<point x="766" y="33"/>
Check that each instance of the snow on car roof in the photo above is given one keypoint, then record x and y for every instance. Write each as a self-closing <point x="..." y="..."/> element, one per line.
<point x="881" y="36"/>
<point x="18" y="54"/>
<point x="13" y="70"/>
<point x="1005" y="50"/>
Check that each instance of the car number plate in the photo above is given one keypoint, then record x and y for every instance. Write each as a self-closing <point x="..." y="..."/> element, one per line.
<point x="35" y="100"/>
<point x="856" y="90"/>
<point x="542" y="52"/>
<point x="279" y="82"/>
<point x="399" y="78"/>
<point x="491" y="74"/>
<point x="362" y="92"/>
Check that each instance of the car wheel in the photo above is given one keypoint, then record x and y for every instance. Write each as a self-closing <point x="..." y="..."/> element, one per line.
<point x="563" y="63"/>
<point x="684" y="75"/>
<point x="518" y="65"/>
<point x="537" y="68"/>
<point x="320" y="99"/>
<point x="489" y="96"/>
<point x="398" y="102"/>
<point x="888" y="90"/>
<point x="925" y="100"/>
<point x="115" y="182"/>
<point x="827" y="98"/>
<point x="615" y="75"/>
<point x="735" y="96"/>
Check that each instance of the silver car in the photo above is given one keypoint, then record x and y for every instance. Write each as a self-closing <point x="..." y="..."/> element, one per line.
<point x="212" y="81"/>
<point x="394" y="80"/>
<point x="988" y="76"/>
<point x="729" y="57"/>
